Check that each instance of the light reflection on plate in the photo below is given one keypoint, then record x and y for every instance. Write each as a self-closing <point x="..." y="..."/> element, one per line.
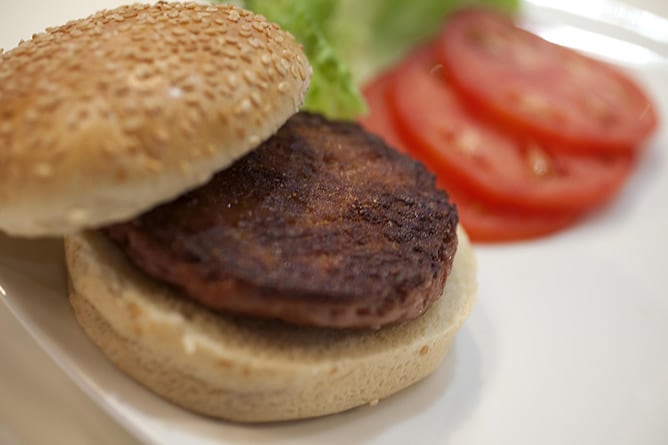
<point x="597" y="45"/>
<point x="615" y="13"/>
<point x="566" y="344"/>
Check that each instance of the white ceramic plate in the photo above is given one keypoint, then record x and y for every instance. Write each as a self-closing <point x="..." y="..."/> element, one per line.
<point x="566" y="345"/>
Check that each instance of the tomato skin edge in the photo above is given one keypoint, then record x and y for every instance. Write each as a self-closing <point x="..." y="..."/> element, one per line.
<point x="488" y="224"/>
<point x="586" y="189"/>
<point x="378" y="120"/>
<point x="505" y="225"/>
<point x="486" y="220"/>
<point x="447" y="48"/>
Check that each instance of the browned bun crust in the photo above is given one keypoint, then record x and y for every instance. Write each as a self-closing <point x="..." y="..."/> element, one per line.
<point x="107" y="116"/>
<point x="249" y="370"/>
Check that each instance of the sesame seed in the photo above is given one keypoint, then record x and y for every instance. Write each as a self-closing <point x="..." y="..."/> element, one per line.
<point x="247" y="54"/>
<point x="283" y="87"/>
<point x="212" y="31"/>
<point x="229" y="40"/>
<point x="230" y="52"/>
<point x="232" y="80"/>
<point x="256" y="99"/>
<point x="233" y="15"/>
<point x="278" y="65"/>
<point x="250" y="77"/>
<point x="243" y="107"/>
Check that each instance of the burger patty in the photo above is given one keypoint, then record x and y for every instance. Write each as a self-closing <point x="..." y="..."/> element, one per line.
<point x="322" y="225"/>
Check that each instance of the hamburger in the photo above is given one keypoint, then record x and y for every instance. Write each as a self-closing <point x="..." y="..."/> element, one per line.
<point x="236" y="256"/>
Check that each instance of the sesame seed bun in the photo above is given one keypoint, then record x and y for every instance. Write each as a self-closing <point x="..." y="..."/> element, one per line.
<point x="250" y="370"/>
<point x="107" y="116"/>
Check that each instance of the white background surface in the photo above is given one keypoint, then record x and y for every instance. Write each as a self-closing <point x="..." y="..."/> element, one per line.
<point x="568" y="350"/>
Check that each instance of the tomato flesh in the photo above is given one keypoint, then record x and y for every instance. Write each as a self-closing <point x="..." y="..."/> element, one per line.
<point x="378" y="119"/>
<point x="525" y="136"/>
<point x="485" y="223"/>
<point x="540" y="91"/>
<point x="457" y="145"/>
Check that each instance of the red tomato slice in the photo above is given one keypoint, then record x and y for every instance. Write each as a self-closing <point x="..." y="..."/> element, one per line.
<point x="483" y="224"/>
<point x="378" y="119"/>
<point x="486" y="224"/>
<point x="488" y="164"/>
<point x="541" y="91"/>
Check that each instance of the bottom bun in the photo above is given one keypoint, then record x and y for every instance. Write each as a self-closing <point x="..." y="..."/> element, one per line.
<point x="248" y="370"/>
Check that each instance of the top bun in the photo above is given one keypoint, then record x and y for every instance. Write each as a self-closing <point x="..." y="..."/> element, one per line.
<point x="107" y="116"/>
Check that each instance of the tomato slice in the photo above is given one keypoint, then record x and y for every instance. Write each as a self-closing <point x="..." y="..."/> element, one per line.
<point x="487" y="224"/>
<point x="483" y="224"/>
<point x="541" y="91"/>
<point x="458" y="146"/>
<point x="378" y="119"/>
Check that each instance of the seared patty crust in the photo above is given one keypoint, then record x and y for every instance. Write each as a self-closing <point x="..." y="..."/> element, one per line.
<point x="322" y="225"/>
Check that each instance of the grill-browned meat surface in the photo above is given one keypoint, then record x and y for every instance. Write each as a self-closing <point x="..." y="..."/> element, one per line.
<point x="321" y="225"/>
